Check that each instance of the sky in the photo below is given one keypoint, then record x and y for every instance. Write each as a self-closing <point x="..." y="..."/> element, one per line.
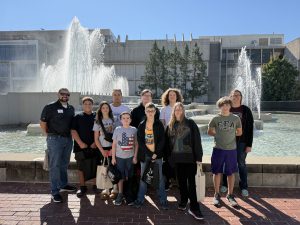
<point x="153" y="19"/>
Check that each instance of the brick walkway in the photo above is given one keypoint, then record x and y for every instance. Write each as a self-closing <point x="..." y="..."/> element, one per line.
<point x="30" y="204"/>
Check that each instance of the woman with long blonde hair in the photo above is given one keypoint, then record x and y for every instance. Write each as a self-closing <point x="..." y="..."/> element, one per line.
<point x="185" y="152"/>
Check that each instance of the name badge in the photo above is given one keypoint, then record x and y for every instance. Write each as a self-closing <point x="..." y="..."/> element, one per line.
<point x="60" y="111"/>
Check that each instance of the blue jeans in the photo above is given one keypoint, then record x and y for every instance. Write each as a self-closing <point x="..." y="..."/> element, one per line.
<point x="143" y="186"/>
<point x="241" y="160"/>
<point x="60" y="149"/>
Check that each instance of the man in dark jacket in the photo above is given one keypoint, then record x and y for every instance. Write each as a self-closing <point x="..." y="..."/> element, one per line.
<point x="151" y="141"/>
<point x="244" y="142"/>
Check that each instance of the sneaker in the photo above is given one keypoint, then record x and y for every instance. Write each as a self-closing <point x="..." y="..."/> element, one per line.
<point x="119" y="199"/>
<point x="223" y="189"/>
<point x="182" y="206"/>
<point x="245" y="193"/>
<point x="164" y="205"/>
<point x="56" y="198"/>
<point x="231" y="200"/>
<point x="130" y="203"/>
<point x="137" y="204"/>
<point x="196" y="214"/>
<point x="82" y="190"/>
<point x="68" y="188"/>
<point x="217" y="199"/>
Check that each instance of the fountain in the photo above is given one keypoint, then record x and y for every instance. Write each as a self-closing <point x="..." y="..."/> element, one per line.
<point x="82" y="69"/>
<point x="248" y="81"/>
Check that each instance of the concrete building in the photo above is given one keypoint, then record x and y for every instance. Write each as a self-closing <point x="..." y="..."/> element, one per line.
<point x="23" y="52"/>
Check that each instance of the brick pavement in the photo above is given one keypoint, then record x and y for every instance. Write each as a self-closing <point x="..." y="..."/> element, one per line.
<point x="30" y="204"/>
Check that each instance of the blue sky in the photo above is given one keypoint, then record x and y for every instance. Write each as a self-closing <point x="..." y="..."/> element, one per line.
<point x="142" y="19"/>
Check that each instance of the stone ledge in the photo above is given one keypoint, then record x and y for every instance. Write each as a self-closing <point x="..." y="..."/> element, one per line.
<point x="277" y="175"/>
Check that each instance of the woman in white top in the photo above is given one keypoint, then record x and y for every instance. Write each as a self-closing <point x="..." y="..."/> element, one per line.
<point x="104" y="119"/>
<point x="168" y="100"/>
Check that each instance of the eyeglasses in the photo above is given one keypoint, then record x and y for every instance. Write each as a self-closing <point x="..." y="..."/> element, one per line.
<point x="64" y="94"/>
<point x="150" y="111"/>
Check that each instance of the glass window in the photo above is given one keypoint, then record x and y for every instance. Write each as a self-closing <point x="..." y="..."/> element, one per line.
<point x="232" y="55"/>
<point x="278" y="52"/>
<point x="4" y="70"/>
<point x="256" y="56"/>
<point x="23" y="70"/>
<point x="224" y="52"/>
<point x="4" y="85"/>
<point x="267" y="55"/>
<point x="18" y="52"/>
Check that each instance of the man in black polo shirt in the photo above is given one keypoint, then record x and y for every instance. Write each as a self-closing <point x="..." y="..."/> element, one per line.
<point x="56" y="120"/>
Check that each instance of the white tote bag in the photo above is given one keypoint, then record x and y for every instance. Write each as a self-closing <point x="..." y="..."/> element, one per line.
<point x="46" y="160"/>
<point x="102" y="180"/>
<point x="200" y="183"/>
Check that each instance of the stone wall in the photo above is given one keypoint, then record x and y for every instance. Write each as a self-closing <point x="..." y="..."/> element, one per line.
<point x="259" y="175"/>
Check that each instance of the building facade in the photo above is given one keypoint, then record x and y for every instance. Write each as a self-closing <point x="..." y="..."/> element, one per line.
<point x="22" y="54"/>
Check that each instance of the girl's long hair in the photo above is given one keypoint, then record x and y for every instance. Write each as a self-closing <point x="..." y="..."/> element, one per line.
<point x="99" y="115"/>
<point x="173" y="117"/>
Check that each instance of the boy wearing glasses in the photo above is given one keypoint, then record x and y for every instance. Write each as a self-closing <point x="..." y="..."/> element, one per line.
<point x="56" y="120"/>
<point x="151" y="139"/>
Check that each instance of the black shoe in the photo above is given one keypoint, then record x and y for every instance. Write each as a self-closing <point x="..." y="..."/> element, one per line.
<point x="82" y="190"/>
<point x="182" y="206"/>
<point x="68" y="188"/>
<point x="196" y="214"/>
<point x="56" y="198"/>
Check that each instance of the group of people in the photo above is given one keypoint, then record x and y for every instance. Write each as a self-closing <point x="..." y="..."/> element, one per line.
<point x="131" y="139"/>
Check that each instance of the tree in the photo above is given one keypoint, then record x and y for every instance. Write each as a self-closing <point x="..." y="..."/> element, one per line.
<point x="174" y="60"/>
<point x="164" y="78"/>
<point x="199" y="81"/>
<point x="278" y="80"/>
<point x="185" y="71"/>
<point x="151" y="76"/>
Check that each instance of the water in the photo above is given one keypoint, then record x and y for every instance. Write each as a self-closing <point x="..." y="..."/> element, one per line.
<point x="82" y="69"/>
<point x="281" y="137"/>
<point x="248" y="81"/>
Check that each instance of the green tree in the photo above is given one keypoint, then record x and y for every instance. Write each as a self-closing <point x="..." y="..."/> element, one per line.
<point x="199" y="81"/>
<point x="278" y="80"/>
<point x="185" y="71"/>
<point x="164" y="78"/>
<point x="151" y="76"/>
<point x="174" y="60"/>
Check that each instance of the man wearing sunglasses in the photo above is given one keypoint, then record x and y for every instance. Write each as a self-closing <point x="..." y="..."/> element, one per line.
<point x="56" y="119"/>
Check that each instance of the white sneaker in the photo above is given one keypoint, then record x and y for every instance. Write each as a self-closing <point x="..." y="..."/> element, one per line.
<point x="245" y="193"/>
<point x="223" y="189"/>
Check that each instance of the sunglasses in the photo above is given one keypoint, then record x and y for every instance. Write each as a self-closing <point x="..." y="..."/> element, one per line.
<point x="64" y="94"/>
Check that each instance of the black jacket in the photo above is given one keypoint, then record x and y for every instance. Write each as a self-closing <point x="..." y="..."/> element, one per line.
<point x="247" y="126"/>
<point x="138" y="115"/>
<point x="184" y="146"/>
<point x="159" y="140"/>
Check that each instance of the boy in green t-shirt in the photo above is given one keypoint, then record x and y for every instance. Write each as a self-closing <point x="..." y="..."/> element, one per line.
<point x="224" y="127"/>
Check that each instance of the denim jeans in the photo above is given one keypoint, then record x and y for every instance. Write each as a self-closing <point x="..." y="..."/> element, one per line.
<point x="60" y="149"/>
<point x="241" y="160"/>
<point x="143" y="186"/>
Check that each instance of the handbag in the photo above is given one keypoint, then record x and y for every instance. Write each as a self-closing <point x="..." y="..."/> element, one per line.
<point x="107" y="136"/>
<point x="200" y="183"/>
<point x="114" y="174"/>
<point x="151" y="174"/>
<point x="46" y="161"/>
<point x="102" y="180"/>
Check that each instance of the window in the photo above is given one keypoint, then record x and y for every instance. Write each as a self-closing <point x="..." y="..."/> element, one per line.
<point x="224" y="51"/>
<point x="17" y="52"/>
<point x="23" y="70"/>
<point x="256" y="56"/>
<point x="275" y="41"/>
<point x="4" y="70"/>
<point x="267" y="55"/>
<point x="232" y="55"/>
<point x="263" y="42"/>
